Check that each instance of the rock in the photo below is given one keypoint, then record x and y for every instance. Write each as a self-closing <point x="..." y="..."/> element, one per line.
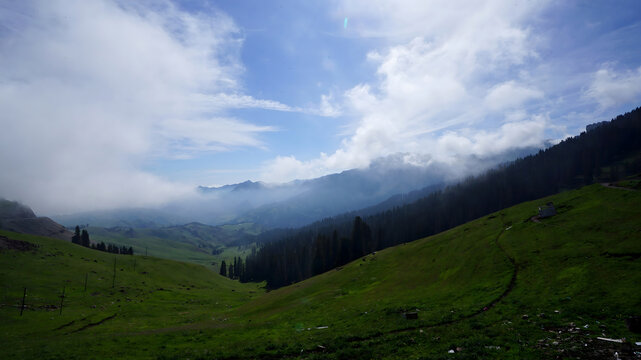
<point x="634" y="324"/>
<point x="525" y="317"/>
<point x="411" y="315"/>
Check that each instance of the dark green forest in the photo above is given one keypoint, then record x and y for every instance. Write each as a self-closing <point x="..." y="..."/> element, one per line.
<point x="608" y="152"/>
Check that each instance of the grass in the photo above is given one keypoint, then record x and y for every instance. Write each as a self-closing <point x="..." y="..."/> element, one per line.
<point x="188" y="243"/>
<point x="578" y="269"/>
<point x="157" y="294"/>
<point x="634" y="184"/>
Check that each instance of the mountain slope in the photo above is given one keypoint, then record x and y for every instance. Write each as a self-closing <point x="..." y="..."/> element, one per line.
<point x="501" y="286"/>
<point x="149" y="293"/>
<point x="15" y="210"/>
<point x="493" y="288"/>
<point x="20" y="218"/>
<point x="606" y="153"/>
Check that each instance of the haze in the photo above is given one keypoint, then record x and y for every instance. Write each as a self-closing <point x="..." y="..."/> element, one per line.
<point x="109" y="104"/>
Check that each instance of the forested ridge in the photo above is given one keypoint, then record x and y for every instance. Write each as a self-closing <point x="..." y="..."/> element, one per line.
<point x="607" y="152"/>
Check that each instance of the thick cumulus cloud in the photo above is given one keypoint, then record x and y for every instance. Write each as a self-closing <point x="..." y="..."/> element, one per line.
<point x="611" y="87"/>
<point x="451" y="81"/>
<point x="89" y="89"/>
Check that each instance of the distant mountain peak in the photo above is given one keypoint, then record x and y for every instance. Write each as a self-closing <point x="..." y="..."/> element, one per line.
<point x="246" y="185"/>
<point x="249" y="185"/>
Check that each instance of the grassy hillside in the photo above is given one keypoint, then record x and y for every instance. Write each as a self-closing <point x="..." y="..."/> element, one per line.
<point x="192" y="242"/>
<point x="501" y="286"/>
<point x="148" y="293"/>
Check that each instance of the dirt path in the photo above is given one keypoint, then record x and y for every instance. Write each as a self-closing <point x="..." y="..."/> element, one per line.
<point x="609" y="185"/>
<point x="94" y="324"/>
<point x="487" y="307"/>
<point x="478" y="312"/>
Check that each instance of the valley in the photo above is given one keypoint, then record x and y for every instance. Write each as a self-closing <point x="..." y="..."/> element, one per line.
<point x="340" y="180"/>
<point x="515" y="279"/>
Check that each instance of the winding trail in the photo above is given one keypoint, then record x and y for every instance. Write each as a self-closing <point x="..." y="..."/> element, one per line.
<point x="94" y="324"/>
<point x="478" y="312"/>
<point x="609" y="185"/>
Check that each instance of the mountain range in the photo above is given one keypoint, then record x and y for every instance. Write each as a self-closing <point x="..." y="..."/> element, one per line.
<point x="387" y="182"/>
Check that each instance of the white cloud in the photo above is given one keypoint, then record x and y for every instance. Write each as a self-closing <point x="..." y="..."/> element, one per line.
<point x="454" y="151"/>
<point x="328" y="106"/>
<point x="611" y="88"/>
<point x="510" y="95"/>
<point x="90" y="89"/>
<point x="467" y="142"/>
<point x="454" y="65"/>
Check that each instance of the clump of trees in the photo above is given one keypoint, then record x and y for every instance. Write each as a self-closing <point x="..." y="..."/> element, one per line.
<point x="236" y="270"/>
<point x="82" y="238"/>
<point x="112" y="248"/>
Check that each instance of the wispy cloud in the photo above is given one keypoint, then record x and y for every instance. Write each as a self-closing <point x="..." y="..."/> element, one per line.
<point x="238" y="101"/>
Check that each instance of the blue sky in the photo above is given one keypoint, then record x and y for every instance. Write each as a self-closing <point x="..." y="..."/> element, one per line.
<point x="146" y="100"/>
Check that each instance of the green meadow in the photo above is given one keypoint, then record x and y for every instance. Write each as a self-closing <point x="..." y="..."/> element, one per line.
<point x="189" y="243"/>
<point x="501" y="286"/>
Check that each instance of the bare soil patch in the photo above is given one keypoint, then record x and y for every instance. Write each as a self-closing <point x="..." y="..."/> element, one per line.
<point x="12" y="244"/>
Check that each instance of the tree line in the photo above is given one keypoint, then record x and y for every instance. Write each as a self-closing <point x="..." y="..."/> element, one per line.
<point x="607" y="152"/>
<point x="82" y="238"/>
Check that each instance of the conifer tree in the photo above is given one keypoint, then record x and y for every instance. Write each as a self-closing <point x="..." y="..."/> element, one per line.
<point x="76" y="236"/>
<point x="84" y="238"/>
<point x="223" y="269"/>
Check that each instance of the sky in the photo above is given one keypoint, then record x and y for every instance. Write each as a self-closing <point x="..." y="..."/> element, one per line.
<point x="115" y="103"/>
